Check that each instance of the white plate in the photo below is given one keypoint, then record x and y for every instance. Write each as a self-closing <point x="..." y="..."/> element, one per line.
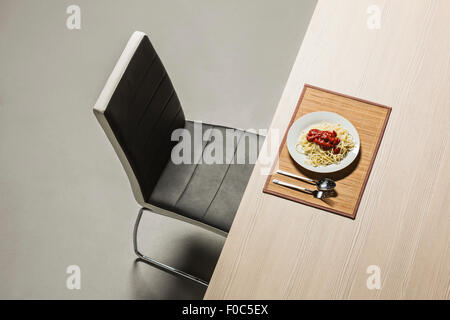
<point x="315" y="118"/>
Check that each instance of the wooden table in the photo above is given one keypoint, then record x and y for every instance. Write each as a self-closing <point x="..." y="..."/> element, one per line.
<point x="278" y="249"/>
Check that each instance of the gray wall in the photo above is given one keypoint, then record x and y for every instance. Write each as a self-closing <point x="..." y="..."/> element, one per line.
<point x="64" y="198"/>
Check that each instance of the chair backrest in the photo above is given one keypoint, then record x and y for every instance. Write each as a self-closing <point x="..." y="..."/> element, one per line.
<point x="138" y="110"/>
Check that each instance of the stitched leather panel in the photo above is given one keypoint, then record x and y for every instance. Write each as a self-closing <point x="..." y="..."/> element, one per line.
<point x="209" y="193"/>
<point x="143" y="112"/>
<point x="223" y="207"/>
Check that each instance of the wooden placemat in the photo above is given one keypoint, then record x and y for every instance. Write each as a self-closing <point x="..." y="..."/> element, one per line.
<point x="369" y="119"/>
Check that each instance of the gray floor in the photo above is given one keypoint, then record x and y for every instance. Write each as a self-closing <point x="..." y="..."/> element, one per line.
<point x="64" y="198"/>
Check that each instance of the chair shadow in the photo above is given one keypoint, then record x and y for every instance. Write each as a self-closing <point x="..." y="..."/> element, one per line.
<point x="197" y="258"/>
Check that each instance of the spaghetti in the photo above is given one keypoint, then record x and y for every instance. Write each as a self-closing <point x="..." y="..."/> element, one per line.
<point x="325" y="143"/>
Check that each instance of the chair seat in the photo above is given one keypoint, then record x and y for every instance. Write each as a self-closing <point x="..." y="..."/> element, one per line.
<point x="208" y="192"/>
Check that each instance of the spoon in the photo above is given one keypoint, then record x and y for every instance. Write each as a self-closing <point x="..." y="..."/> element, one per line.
<point x="318" y="194"/>
<point x="323" y="184"/>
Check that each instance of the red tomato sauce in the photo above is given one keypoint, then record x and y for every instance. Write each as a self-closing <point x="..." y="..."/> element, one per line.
<point x="326" y="139"/>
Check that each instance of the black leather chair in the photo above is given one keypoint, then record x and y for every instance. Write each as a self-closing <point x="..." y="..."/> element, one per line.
<point x="139" y="110"/>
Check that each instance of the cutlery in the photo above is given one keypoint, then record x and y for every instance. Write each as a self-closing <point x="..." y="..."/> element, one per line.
<point x="324" y="184"/>
<point x="316" y="193"/>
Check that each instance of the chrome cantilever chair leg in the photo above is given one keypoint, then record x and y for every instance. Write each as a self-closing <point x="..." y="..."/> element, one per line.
<point x="157" y="263"/>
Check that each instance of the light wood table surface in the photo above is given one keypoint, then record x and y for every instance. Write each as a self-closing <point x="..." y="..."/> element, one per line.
<point x="278" y="249"/>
